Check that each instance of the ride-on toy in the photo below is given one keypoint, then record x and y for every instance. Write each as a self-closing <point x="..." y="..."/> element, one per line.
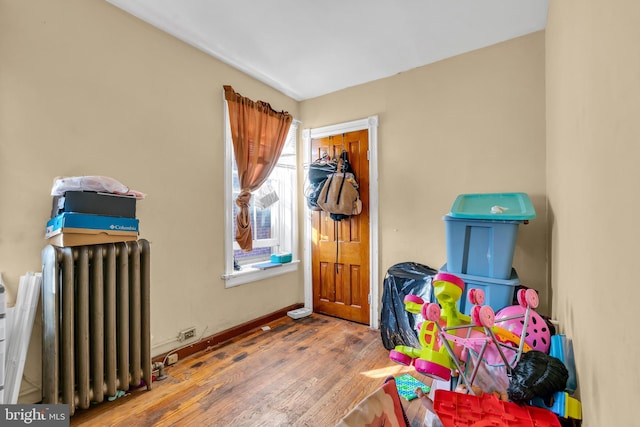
<point x="447" y="335"/>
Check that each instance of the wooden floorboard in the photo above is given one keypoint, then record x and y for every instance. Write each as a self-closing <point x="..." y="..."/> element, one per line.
<point x="306" y="372"/>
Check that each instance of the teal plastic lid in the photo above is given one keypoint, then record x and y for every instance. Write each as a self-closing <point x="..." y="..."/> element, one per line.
<point x="493" y="206"/>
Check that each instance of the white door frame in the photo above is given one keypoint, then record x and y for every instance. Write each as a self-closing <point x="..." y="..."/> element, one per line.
<point x="370" y="123"/>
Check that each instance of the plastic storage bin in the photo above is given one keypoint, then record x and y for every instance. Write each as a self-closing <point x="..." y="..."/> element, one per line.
<point x="281" y="258"/>
<point x="480" y="247"/>
<point x="493" y="206"/>
<point x="498" y="292"/>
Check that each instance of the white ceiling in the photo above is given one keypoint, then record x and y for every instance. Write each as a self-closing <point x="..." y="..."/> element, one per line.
<point x="308" y="48"/>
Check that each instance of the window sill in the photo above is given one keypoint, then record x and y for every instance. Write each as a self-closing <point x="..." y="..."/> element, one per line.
<point x="251" y="274"/>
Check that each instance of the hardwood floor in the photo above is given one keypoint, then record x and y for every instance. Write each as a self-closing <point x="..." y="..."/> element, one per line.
<point x="306" y="372"/>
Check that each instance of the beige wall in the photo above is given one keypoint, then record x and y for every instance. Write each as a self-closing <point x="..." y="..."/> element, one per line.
<point x="87" y="89"/>
<point x="469" y="124"/>
<point x="593" y="150"/>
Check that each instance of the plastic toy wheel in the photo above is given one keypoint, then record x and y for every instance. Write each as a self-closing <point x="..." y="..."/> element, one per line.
<point x="433" y="370"/>
<point x="413" y="304"/>
<point x="487" y="316"/>
<point x="531" y="298"/>
<point x="475" y="314"/>
<point x="400" y="358"/>
<point x="520" y="298"/>
<point x="483" y="315"/>
<point x="528" y="298"/>
<point x="413" y="298"/>
<point x="476" y="296"/>
<point x="431" y="311"/>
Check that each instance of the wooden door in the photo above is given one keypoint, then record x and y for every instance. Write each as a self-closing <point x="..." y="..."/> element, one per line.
<point x="340" y="266"/>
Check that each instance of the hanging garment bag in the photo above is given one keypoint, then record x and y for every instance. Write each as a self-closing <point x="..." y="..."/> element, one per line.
<point x="319" y="172"/>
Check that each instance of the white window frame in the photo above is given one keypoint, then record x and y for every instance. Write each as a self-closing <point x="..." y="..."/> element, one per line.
<point x="287" y="235"/>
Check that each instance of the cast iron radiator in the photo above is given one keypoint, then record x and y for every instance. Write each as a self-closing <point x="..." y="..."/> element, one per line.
<point x="96" y="337"/>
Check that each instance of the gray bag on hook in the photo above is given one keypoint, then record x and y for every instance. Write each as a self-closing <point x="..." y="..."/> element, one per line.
<point x="340" y="196"/>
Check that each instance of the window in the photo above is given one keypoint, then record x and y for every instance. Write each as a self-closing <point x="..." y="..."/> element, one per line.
<point x="273" y="214"/>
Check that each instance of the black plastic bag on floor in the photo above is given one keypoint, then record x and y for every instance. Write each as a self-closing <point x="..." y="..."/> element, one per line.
<point x="397" y="324"/>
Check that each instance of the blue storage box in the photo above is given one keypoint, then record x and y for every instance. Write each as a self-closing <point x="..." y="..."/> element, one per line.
<point x="493" y="206"/>
<point x="281" y="258"/>
<point x="480" y="247"/>
<point x="497" y="293"/>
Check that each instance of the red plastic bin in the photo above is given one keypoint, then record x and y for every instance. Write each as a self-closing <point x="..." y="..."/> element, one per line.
<point x="457" y="409"/>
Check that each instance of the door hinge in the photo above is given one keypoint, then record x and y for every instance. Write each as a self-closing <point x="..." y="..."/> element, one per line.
<point x="369" y="299"/>
<point x="368" y="155"/>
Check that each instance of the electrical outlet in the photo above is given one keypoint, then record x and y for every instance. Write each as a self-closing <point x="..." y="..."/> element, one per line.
<point x="172" y="358"/>
<point x="187" y="334"/>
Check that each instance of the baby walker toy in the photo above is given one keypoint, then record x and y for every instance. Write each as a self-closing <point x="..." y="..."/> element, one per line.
<point x="447" y="335"/>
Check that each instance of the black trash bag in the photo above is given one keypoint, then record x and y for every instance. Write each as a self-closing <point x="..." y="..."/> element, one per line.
<point x="537" y="374"/>
<point x="397" y="324"/>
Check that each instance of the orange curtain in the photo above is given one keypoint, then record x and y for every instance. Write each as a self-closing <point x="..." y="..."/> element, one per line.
<point x="259" y="133"/>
